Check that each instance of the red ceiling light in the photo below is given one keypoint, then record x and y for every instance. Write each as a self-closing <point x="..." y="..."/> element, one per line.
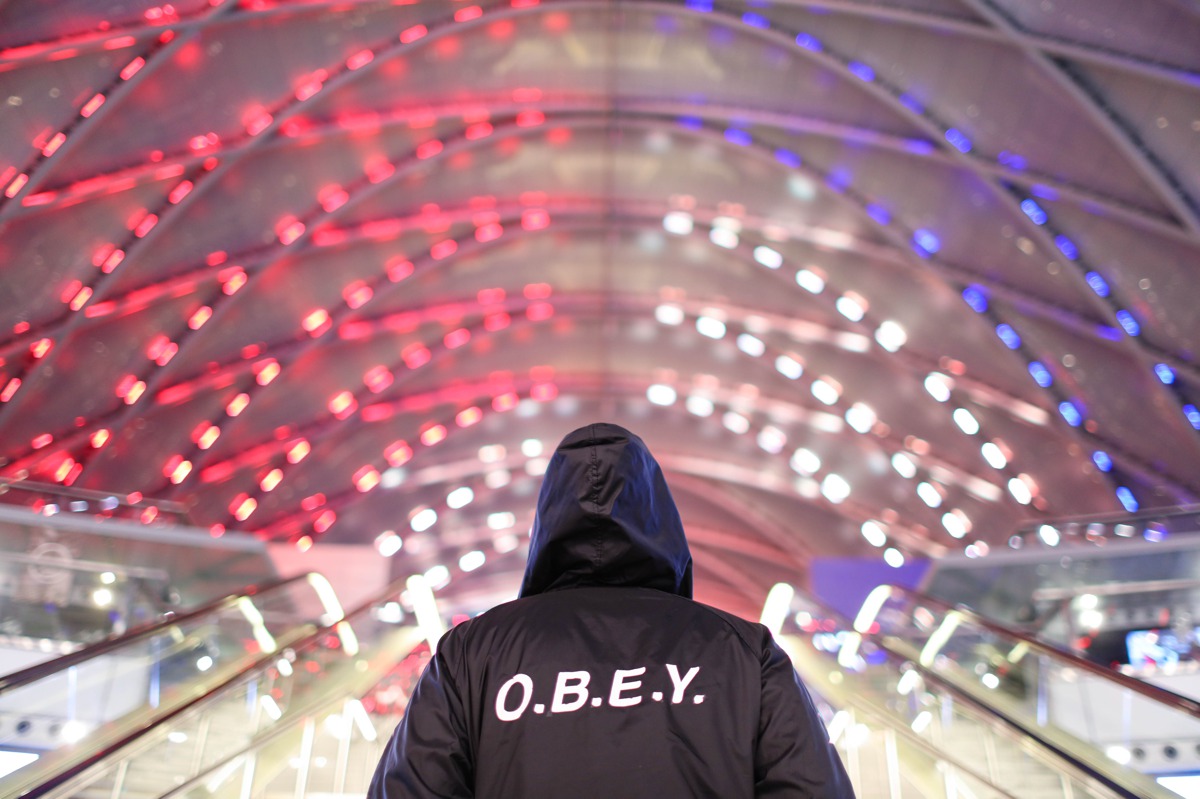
<point x="489" y="232"/>
<point x="468" y="13"/>
<point x="480" y="130"/>
<point x="535" y="219"/>
<point x="530" y="118"/>
<point x="544" y="392"/>
<point x="360" y="59"/>
<point x="377" y="379"/>
<point x="366" y="478"/>
<point x="429" y="149"/>
<point x="39" y="348"/>
<point x="398" y="453"/>
<point x="456" y="338"/>
<point x="55" y="142"/>
<point x="298" y="451"/>
<point x="412" y="34"/>
<point x="415" y="355"/>
<point x="242" y="506"/>
<point x="312" y="501"/>
<point x="237" y="404"/>
<point x="496" y="321"/>
<point x="397" y="270"/>
<point x="266" y="371"/>
<point x="316" y="322"/>
<point x="443" y="249"/>
<point x="357" y="294"/>
<point x="271" y="479"/>
<point x="343" y="404"/>
<point x="324" y="521"/>
<point x="468" y="416"/>
<point x="504" y="402"/>
<point x="99" y="438"/>
<point x="180" y="191"/>
<point x="132" y="68"/>
<point x="433" y="435"/>
<point x="10" y="388"/>
<point x="199" y="317"/>
<point x="206" y="439"/>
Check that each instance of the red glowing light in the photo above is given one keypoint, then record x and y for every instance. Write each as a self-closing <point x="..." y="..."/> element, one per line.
<point x="544" y="392"/>
<point x="112" y="261"/>
<point x="415" y="355"/>
<point x="305" y="543"/>
<point x="496" y="321"/>
<point x="398" y="453"/>
<point x="132" y="68"/>
<point x="216" y="258"/>
<point x="149" y="515"/>
<point x="81" y="297"/>
<point x="456" y="338"/>
<point x="316" y="322"/>
<point x="146" y="225"/>
<point x="298" y="451"/>
<point x="360" y="59"/>
<point x="479" y="130"/>
<point x="17" y="184"/>
<point x="242" y="506"/>
<point x="308" y="88"/>
<point x="429" y="149"/>
<point x="489" y="232"/>
<point x="201" y="315"/>
<point x="377" y="379"/>
<point x="134" y="498"/>
<point x="398" y="269"/>
<point x="357" y="294"/>
<point x="412" y="34"/>
<point x="379" y="171"/>
<point x="343" y="404"/>
<point x="271" y="479"/>
<point x="180" y="191"/>
<point x="54" y="143"/>
<point x="468" y="13"/>
<point x="42" y="441"/>
<point x="208" y="437"/>
<point x="433" y="435"/>
<point x="237" y="404"/>
<point x="180" y="472"/>
<point x="99" y="438"/>
<point x="324" y="521"/>
<point x="366" y="478"/>
<point x="168" y="353"/>
<point x="266" y="371"/>
<point x="468" y="416"/>
<point x="216" y="530"/>
<point x="313" y="501"/>
<point x="157" y="346"/>
<point x="524" y="3"/>
<point x="539" y="311"/>
<point x="289" y="229"/>
<point x="64" y="469"/>
<point x="535" y="219"/>
<point x="504" y="402"/>
<point x="443" y="249"/>
<point x="135" y="392"/>
<point x="39" y="348"/>
<point x="332" y="198"/>
<point x="237" y="278"/>
<point x="529" y="119"/>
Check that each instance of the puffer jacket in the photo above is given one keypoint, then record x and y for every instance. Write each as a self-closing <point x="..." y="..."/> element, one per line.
<point x="604" y="678"/>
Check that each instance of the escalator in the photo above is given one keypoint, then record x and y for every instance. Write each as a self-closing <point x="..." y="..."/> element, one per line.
<point x="216" y="701"/>
<point x="933" y="700"/>
<point x="926" y="700"/>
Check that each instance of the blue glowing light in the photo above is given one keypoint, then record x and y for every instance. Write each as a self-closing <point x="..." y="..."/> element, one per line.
<point x="861" y="71"/>
<point x="1127" y="499"/>
<point x="1098" y="283"/>
<point x="959" y="140"/>
<point x="787" y="158"/>
<point x="1193" y="415"/>
<point x="1044" y="191"/>
<point x="1102" y="461"/>
<point x="1012" y="160"/>
<point x="925" y="242"/>
<point x="1165" y="373"/>
<point x="1041" y="375"/>
<point x="1128" y="322"/>
<point x="756" y="20"/>
<point x="691" y="123"/>
<point x="738" y="137"/>
<point x="809" y="42"/>
<point x="1033" y="211"/>
<point x="1008" y="336"/>
<point x="880" y="214"/>
<point x="1108" y="332"/>
<point x="1070" y="413"/>
<point x="919" y="146"/>
<point x="976" y="297"/>
<point x="1066" y="247"/>
<point x="838" y="179"/>
<point x="912" y="104"/>
<point x="700" y="5"/>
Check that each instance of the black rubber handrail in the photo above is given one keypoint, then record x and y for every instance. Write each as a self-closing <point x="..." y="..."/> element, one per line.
<point x="49" y="668"/>
<point x="1153" y="692"/>
<point x="314" y="638"/>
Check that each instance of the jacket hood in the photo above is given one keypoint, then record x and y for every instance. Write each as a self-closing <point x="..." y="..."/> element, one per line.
<point x="606" y="517"/>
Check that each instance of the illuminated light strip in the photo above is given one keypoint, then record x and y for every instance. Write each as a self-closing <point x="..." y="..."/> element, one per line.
<point x="869" y="612"/>
<point x="939" y="638"/>
<point x="777" y="606"/>
<point x="429" y="619"/>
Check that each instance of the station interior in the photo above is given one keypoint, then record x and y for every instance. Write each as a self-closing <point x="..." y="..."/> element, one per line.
<point x="298" y="298"/>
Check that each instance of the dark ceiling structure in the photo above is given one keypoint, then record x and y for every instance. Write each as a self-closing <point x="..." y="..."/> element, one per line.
<point x="895" y="278"/>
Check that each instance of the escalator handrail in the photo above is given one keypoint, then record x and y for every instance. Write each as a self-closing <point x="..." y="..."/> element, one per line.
<point x="1153" y="692"/>
<point x="311" y="638"/>
<point x="40" y="671"/>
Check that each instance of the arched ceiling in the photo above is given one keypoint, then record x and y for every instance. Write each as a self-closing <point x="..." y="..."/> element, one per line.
<point x="865" y="275"/>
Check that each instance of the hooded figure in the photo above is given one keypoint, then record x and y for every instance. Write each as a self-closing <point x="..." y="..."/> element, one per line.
<point x="604" y="679"/>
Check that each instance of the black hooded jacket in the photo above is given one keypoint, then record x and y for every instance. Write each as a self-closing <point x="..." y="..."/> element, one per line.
<point x="604" y="679"/>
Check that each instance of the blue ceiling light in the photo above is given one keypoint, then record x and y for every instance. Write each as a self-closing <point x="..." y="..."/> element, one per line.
<point x="1193" y="415"/>
<point x="1044" y="191"/>
<point x="838" y="179"/>
<point x="1033" y="211"/>
<point x="1012" y="160"/>
<point x="1127" y="499"/>
<point x="976" y="297"/>
<point x="700" y="5"/>
<point x="809" y="42"/>
<point x="1165" y="373"/>
<point x="1070" y="413"/>
<point x="1041" y="375"/>
<point x="880" y="214"/>
<point x="738" y="137"/>
<point x="959" y="139"/>
<point x="1066" y="247"/>
<point x="918" y="146"/>
<point x="1102" y="460"/>
<point x="1127" y="321"/>
<point x="787" y="158"/>
<point x="691" y="123"/>
<point x="861" y="71"/>
<point x="1008" y="336"/>
<point x="756" y="20"/>
<point x="912" y="104"/>
<point x="1098" y="283"/>
<point x="925" y="242"/>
